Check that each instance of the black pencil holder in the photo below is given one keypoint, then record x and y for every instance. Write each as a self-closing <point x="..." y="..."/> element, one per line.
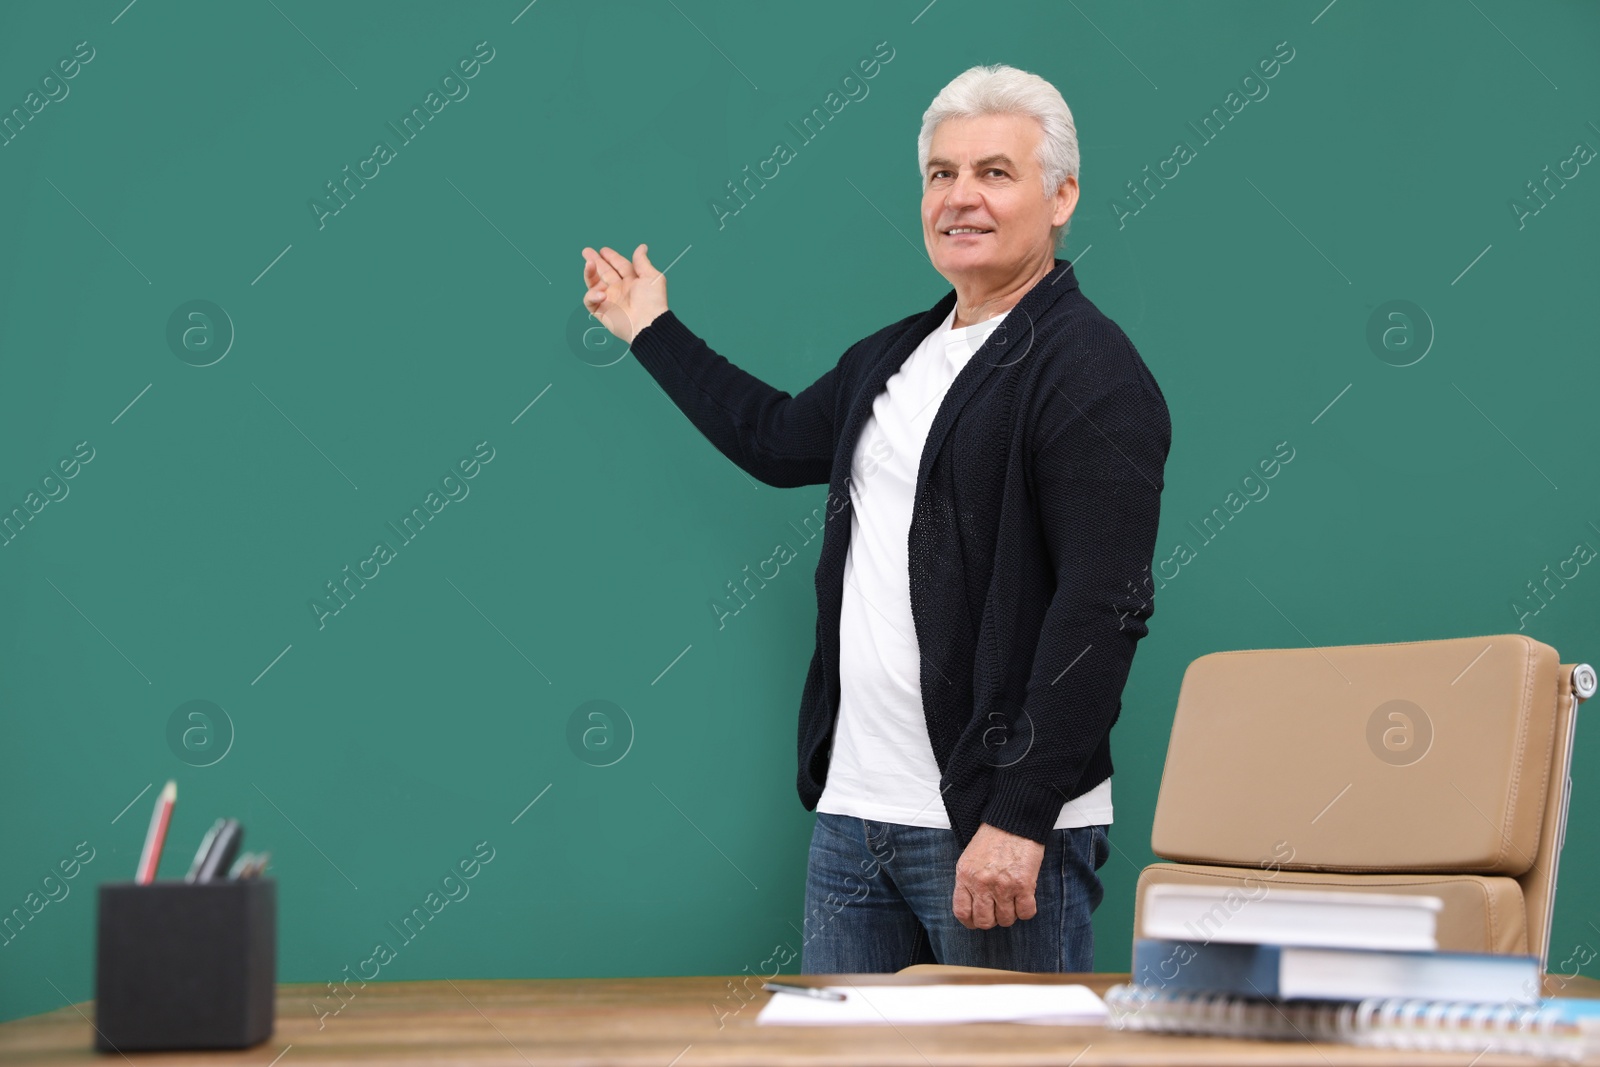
<point x="186" y="965"/>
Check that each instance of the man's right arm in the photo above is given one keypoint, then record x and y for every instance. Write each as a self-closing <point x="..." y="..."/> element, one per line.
<point x="782" y="440"/>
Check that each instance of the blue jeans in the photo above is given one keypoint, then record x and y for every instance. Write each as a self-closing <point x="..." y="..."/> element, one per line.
<point x="878" y="898"/>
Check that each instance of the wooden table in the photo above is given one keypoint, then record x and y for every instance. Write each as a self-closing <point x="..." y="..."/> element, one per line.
<point x="674" y="1022"/>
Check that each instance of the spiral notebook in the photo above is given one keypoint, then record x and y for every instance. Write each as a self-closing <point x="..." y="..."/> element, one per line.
<point x="1564" y="1028"/>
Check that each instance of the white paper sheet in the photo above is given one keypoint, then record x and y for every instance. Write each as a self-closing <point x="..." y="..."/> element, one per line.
<point x="1065" y="1005"/>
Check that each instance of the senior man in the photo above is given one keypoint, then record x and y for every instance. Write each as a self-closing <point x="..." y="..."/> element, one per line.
<point x="1000" y="458"/>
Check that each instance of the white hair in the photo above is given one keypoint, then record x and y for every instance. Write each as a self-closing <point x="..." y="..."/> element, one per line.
<point x="1004" y="90"/>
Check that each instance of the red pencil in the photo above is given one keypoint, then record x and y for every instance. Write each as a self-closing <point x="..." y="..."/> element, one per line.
<point x="151" y="858"/>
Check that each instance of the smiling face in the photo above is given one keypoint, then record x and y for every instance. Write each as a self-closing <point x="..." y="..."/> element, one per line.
<point x="983" y="175"/>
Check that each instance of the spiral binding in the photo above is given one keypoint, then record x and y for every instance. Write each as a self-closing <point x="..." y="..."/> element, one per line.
<point x="1377" y="1022"/>
<point x="1220" y="1014"/>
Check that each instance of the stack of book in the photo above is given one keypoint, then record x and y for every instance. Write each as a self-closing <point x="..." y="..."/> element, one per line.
<point x="1336" y="965"/>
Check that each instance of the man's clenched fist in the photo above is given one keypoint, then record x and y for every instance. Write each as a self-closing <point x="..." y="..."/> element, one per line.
<point x="995" y="879"/>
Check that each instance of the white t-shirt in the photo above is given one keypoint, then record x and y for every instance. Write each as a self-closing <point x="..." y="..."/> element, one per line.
<point x="881" y="764"/>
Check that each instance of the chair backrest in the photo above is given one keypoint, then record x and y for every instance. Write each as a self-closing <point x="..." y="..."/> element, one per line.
<point x="1446" y="756"/>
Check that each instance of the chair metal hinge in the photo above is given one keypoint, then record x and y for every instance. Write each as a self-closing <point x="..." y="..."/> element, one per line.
<point x="1584" y="682"/>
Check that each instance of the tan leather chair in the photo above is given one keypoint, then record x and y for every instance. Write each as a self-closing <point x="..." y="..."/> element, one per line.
<point x="1431" y="767"/>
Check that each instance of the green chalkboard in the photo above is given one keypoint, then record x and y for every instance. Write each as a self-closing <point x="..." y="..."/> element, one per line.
<point x="243" y="345"/>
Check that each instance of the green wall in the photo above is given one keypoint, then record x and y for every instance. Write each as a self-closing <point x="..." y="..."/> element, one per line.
<point x="375" y="348"/>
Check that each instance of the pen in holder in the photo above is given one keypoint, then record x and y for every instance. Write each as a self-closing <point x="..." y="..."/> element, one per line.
<point x="182" y="965"/>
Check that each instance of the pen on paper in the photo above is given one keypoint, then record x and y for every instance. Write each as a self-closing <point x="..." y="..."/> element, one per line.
<point x="803" y="990"/>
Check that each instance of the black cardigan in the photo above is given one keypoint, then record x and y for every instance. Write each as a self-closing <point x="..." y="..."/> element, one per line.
<point x="1032" y="533"/>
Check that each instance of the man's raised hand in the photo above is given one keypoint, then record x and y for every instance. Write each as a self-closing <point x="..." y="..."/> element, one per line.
<point x="625" y="296"/>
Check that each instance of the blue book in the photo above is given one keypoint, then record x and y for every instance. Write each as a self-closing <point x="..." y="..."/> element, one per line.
<point x="1301" y="972"/>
